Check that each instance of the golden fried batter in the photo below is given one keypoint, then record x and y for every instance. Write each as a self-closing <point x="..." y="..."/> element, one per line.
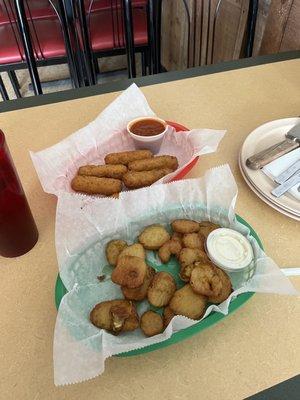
<point x="186" y="302"/>
<point x="185" y="272"/>
<point x="94" y="185"/>
<point x="206" y="227"/>
<point x="139" y="293"/>
<point x="136" y="180"/>
<point x="153" y="237"/>
<point x="167" y="316"/>
<point x="185" y="226"/>
<point x="226" y="288"/>
<point x="113" y="249"/>
<point x="103" y="171"/>
<point x="115" y="316"/>
<point x="205" y="280"/>
<point x="189" y="256"/>
<point x="125" y="157"/>
<point x="177" y="236"/>
<point x="172" y="246"/>
<point x="157" y="162"/>
<point x="151" y="323"/>
<point x="161" y="289"/>
<point x="130" y="272"/>
<point x="193" y="241"/>
<point x="136" y="250"/>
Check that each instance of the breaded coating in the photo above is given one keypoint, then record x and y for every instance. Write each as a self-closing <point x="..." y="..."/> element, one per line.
<point x="193" y="241"/>
<point x="161" y="289"/>
<point x="113" y="249"/>
<point x="205" y="280"/>
<point x="115" y="195"/>
<point x="130" y="272"/>
<point x="171" y="247"/>
<point x="226" y="288"/>
<point x="177" y="236"/>
<point x="136" y="180"/>
<point x="185" y="226"/>
<point x="168" y="315"/>
<point x="185" y="272"/>
<point x="205" y="227"/>
<point x="136" y="250"/>
<point x="151" y="323"/>
<point x="125" y="157"/>
<point x="115" y="316"/>
<point x="139" y="293"/>
<point x="94" y="185"/>
<point x="153" y="237"/>
<point x="157" y="162"/>
<point x="103" y="171"/>
<point x="186" y="302"/>
<point x="189" y="256"/>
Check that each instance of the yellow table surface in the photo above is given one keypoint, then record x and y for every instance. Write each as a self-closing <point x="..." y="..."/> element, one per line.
<point x="255" y="348"/>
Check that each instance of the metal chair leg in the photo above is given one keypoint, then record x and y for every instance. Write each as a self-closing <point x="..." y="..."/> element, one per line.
<point x="15" y="83"/>
<point x="129" y="40"/>
<point x="144" y="62"/>
<point x="252" y="17"/>
<point x="3" y="90"/>
<point x="151" y="36"/>
<point x="26" y="41"/>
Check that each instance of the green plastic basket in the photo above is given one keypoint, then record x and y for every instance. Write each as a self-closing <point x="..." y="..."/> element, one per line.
<point x="183" y="334"/>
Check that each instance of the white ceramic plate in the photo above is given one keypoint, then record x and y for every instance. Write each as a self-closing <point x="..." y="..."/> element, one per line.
<point x="258" y="140"/>
<point x="266" y="200"/>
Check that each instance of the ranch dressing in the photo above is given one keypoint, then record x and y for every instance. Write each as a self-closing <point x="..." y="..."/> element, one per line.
<point x="229" y="249"/>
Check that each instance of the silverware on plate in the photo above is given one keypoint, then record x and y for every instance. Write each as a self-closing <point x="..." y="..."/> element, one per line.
<point x="264" y="157"/>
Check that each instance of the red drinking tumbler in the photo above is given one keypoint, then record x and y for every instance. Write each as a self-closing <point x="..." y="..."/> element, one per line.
<point x="18" y="231"/>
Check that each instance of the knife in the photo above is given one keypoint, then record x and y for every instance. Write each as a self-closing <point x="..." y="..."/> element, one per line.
<point x="264" y="157"/>
<point x="288" y="173"/>
<point x="288" y="184"/>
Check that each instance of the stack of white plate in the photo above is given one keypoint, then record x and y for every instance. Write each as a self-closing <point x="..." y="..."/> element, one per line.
<point x="261" y="138"/>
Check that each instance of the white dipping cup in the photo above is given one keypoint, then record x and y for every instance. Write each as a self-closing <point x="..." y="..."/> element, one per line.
<point x="151" y="143"/>
<point x="229" y="249"/>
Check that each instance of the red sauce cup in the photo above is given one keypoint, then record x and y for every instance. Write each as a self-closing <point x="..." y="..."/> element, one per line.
<point x="151" y="143"/>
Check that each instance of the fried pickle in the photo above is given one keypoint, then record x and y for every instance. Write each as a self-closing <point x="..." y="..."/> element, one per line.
<point x="226" y="288"/>
<point x="103" y="171"/>
<point x="125" y="157"/>
<point x="185" y="226"/>
<point x="151" y="323"/>
<point x="139" y="293"/>
<point x="113" y="249"/>
<point x="130" y="272"/>
<point x="205" y="227"/>
<point x="157" y="162"/>
<point x="136" y="180"/>
<point x="153" y="237"/>
<point x="185" y="272"/>
<point x="171" y="247"/>
<point x="193" y="241"/>
<point x="115" y="316"/>
<point x="205" y="280"/>
<point x="168" y="315"/>
<point x="186" y="302"/>
<point x="189" y="256"/>
<point x="161" y="289"/>
<point x="94" y="185"/>
<point x="136" y="250"/>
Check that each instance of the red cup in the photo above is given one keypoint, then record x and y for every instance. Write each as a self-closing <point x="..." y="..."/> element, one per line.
<point x="18" y="231"/>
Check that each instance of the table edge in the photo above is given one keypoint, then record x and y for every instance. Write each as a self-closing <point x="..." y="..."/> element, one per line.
<point x="116" y="86"/>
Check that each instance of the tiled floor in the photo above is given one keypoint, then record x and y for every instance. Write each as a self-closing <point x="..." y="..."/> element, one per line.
<point x="56" y="78"/>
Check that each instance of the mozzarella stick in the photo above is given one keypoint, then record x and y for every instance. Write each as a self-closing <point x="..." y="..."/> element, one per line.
<point x="135" y="180"/>
<point x="103" y="171"/>
<point x="95" y="185"/>
<point x="154" y="163"/>
<point x="126" y="157"/>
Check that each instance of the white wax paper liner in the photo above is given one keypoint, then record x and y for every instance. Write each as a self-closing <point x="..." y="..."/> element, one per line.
<point x="80" y="349"/>
<point x="57" y="165"/>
